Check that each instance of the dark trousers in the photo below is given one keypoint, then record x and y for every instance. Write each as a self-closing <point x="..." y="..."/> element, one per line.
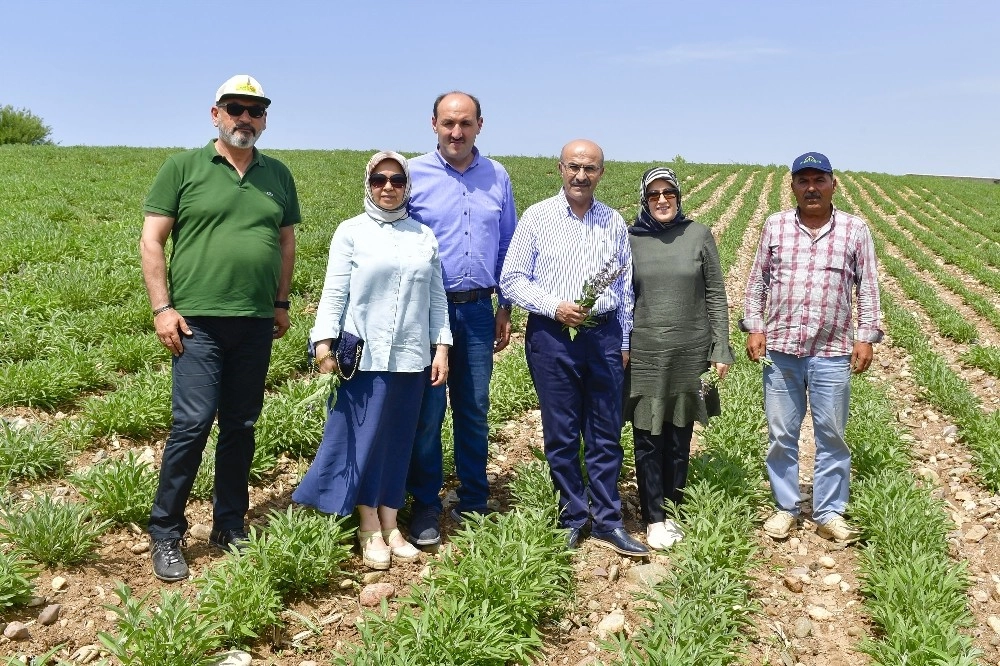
<point x="221" y="372"/>
<point x="579" y="384"/>
<point x="661" y="468"/>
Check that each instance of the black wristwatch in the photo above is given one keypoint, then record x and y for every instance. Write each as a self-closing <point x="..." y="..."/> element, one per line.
<point x="284" y="305"/>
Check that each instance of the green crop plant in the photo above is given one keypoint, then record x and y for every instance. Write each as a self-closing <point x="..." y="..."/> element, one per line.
<point x="506" y="575"/>
<point x="140" y="407"/>
<point x="171" y="632"/>
<point x="303" y="549"/>
<point x="240" y="594"/>
<point x="286" y="426"/>
<point x="49" y="382"/>
<point x="120" y="490"/>
<point x="29" y="453"/>
<point x="986" y="358"/>
<point x="51" y="532"/>
<point x="16" y="574"/>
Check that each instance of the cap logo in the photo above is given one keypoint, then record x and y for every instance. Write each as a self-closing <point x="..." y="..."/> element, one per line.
<point x="247" y="87"/>
<point x="809" y="159"/>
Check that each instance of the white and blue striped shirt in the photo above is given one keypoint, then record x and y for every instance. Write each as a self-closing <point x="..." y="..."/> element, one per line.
<point x="554" y="252"/>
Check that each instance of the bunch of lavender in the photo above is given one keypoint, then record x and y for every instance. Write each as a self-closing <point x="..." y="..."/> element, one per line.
<point x="711" y="378"/>
<point x="592" y="290"/>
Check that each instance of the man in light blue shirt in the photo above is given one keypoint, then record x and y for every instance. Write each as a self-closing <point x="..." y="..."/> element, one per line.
<point x="466" y="199"/>
<point x="560" y="244"/>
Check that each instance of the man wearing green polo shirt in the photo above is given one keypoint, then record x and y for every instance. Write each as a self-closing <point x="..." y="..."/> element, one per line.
<point x="229" y="211"/>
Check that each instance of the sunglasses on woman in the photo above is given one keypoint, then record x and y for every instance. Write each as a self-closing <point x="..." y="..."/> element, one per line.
<point x="654" y="195"/>
<point x="380" y="179"/>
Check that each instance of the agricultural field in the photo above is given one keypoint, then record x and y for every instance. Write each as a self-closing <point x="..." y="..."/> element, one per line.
<point x="84" y="401"/>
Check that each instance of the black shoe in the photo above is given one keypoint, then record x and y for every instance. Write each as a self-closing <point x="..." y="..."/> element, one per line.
<point x="619" y="541"/>
<point x="229" y="539"/>
<point x="573" y="538"/>
<point x="168" y="560"/>
<point x="424" y="529"/>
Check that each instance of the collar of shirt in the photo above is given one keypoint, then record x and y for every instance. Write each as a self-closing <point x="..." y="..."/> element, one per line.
<point x="447" y="165"/>
<point x="821" y="231"/>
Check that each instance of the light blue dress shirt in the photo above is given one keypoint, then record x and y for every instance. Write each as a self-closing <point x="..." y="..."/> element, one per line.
<point x="472" y="215"/>
<point x="383" y="283"/>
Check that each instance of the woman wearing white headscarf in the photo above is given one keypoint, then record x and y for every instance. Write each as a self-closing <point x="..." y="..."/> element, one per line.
<point x="383" y="284"/>
<point x="680" y="330"/>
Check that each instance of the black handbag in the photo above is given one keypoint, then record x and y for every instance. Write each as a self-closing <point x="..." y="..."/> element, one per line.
<point x="348" y="354"/>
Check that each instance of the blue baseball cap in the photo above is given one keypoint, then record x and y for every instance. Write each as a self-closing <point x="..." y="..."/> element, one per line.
<point x="816" y="161"/>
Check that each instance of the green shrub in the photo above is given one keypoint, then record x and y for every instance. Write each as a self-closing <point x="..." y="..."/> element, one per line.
<point x="239" y="594"/>
<point x="121" y="490"/>
<point x="29" y="453"/>
<point x="303" y="549"/>
<point x="53" y="533"/>
<point x="15" y="579"/>
<point x="171" y="633"/>
<point x="22" y="126"/>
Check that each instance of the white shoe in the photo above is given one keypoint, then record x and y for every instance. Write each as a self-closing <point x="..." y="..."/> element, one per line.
<point x="780" y="524"/>
<point x="660" y="536"/>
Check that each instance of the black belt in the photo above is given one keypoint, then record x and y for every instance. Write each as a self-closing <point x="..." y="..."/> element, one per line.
<point x="470" y="295"/>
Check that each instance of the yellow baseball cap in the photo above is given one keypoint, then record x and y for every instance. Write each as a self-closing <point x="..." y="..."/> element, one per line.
<point x="241" y="85"/>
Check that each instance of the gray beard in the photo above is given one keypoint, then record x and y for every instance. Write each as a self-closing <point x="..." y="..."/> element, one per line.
<point x="237" y="139"/>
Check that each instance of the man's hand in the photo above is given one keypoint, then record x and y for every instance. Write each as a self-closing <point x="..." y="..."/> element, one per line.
<point x="571" y="314"/>
<point x="861" y="357"/>
<point x="170" y="326"/>
<point x="501" y="335"/>
<point x="282" y="322"/>
<point x="756" y="346"/>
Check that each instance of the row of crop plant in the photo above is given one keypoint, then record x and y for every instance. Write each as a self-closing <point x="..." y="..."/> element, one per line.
<point x="960" y="252"/>
<point x="947" y="219"/>
<point x="949" y="322"/>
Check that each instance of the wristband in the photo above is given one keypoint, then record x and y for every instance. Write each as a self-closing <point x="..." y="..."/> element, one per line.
<point x="284" y="305"/>
<point x="166" y="307"/>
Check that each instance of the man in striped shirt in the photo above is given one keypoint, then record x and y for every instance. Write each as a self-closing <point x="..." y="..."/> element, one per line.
<point x="559" y="244"/>
<point x="812" y="263"/>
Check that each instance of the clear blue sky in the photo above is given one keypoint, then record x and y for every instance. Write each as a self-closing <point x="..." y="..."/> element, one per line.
<point x="879" y="86"/>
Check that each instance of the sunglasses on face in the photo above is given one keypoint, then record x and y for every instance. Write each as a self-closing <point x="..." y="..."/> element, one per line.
<point x="235" y="109"/>
<point x="654" y="195"/>
<point x="589" y="169"/>
<point x="380" y="179"/>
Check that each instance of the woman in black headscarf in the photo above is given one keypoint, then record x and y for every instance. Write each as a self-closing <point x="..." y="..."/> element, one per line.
<point x="681" y="330"/>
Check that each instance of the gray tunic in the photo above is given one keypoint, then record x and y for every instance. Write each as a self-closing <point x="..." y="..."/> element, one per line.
<point x="681" y="325"/>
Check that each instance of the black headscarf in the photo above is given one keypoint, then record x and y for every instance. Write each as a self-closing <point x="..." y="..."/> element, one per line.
<point x="645" y="224"/>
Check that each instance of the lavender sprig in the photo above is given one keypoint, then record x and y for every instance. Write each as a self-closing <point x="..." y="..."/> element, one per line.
<point x="592" y="290"/>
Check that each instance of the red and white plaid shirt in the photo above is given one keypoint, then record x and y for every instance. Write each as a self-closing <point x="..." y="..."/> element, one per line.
<point x="806" y="286"/>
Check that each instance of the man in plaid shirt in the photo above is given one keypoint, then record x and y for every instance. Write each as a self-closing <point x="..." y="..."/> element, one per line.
<point x="811" y="264"/>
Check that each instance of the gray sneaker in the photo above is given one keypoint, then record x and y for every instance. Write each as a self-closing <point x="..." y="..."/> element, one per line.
<point x="168" y="560"/>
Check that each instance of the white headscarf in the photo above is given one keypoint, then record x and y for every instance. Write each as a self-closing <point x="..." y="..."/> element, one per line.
<point x="375" y="211"/>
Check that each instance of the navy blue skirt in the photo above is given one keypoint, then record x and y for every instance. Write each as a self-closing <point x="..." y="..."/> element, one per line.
<point x="365" y="452"/>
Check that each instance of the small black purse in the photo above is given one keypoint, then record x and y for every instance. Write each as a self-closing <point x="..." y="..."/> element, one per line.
<point x="348" y="354"/>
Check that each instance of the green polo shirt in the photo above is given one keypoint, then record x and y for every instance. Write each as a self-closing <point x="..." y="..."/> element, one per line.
<point x="226" y="259"/>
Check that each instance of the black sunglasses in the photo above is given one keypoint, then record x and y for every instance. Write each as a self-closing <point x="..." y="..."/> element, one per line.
<point x="235" y="109"/>
<point x="654" y="195"/>
<point x="380" y="179"/>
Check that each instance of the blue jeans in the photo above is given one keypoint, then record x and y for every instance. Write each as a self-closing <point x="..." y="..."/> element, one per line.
<point x="470" y="365"/>
<point x="221" y="371"/>
<point x="827" y="383"/>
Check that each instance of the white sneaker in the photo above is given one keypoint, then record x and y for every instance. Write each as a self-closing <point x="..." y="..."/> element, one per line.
<point x="839" y="530"/>
<point x="779" y="524"/>
<point x="660" y="536"/>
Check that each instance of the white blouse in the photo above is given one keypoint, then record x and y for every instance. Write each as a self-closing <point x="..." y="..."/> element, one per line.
<point x="383" y="283"/>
